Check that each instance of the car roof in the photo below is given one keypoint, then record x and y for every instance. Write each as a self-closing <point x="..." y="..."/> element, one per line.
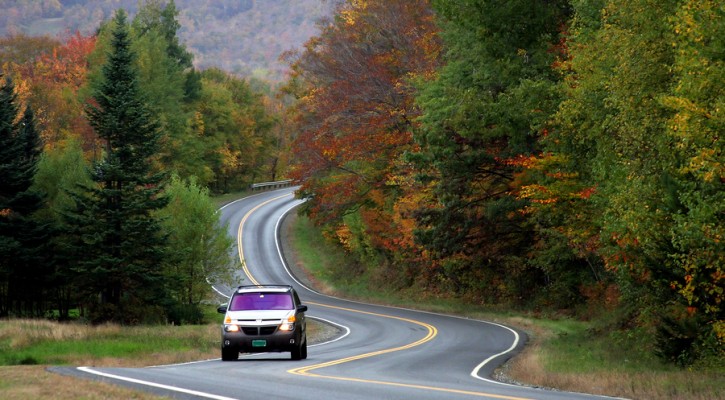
<point x="264" y="288"/>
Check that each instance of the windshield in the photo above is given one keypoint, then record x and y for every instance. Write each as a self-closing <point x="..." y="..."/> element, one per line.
<point x="261" y="301"/>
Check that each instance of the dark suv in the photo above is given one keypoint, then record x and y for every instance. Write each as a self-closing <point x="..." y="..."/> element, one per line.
<point x="264" y="318"/>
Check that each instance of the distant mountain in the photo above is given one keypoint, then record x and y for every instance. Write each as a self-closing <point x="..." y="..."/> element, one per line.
<point x="245" y="37"/>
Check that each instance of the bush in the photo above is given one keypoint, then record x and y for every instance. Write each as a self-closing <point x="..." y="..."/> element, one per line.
<point x="684" y="338"/>
<point x="182" y="314"/>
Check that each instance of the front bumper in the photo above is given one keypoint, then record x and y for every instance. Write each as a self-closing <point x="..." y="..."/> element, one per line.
<point x="256" y="339"/>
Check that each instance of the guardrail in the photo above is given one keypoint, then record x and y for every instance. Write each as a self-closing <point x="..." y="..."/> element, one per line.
<point x="270" y="185"/>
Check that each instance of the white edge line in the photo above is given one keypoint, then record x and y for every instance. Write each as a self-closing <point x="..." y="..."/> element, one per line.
<point x="208" y="395"/>
<point x="289" y="272"/>
<point x="475" y="371"/>
<point x="152" y="384"/>
<point x="347" y="331"/>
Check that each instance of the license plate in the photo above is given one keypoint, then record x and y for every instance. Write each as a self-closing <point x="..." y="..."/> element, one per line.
<point x="259" y="343"/>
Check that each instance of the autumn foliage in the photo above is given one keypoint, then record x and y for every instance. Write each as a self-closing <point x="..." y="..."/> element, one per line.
<point x="542" y="154"/>
<point x="355" y="114"/>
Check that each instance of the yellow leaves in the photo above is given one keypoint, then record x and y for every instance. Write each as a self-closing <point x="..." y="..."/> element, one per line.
<point x="330" y="154"/>
<point x="719" y="328"/>
<point x="350" y="15"/>
<point x="344" y="236"/>
<point x="231" y="159"/>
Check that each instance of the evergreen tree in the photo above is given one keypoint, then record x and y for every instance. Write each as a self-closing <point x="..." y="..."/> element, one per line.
<point x="21" y="238"/>
<point x="60" y="170"/>
<point x="485" y="108"/>
<point x="117" y="237"/>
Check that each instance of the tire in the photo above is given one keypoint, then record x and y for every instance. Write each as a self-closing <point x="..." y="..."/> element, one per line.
<point x="300" y="352"/>
<point x="230" y="354"/>
<point x="303" y="352"/>
<point x="296" y="353"/>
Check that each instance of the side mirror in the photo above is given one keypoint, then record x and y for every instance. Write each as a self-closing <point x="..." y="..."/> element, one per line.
<point x="302" y="308"/>
<point x="222" y="309"/>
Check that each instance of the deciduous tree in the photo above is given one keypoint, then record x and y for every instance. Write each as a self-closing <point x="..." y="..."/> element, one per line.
<point x="355" y="118"/>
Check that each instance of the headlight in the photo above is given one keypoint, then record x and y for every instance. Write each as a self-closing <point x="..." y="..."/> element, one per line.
<point x="231" y="328"/>
<point x="287" y="326"/>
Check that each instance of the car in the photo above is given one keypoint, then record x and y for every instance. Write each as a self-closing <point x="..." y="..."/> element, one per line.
<point x="264" y="318"/>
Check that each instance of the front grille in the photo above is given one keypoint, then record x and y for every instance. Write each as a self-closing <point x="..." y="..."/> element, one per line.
<point x="258" y="331"/>
<point x="253" y="331"/>
<point x="267" y="330"/>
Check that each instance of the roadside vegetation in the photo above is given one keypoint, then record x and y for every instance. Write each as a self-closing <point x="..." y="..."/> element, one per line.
<point x="29" y="346"/>
<point x="563" y="171"/>
<point x="563" y="353"/>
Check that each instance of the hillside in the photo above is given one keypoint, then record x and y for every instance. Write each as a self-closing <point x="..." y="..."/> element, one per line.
<point x="245" y="37"/>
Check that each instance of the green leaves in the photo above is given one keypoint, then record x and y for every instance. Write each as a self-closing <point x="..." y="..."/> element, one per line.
<point x="199" y="242"/>
<point x="119" y="248"/>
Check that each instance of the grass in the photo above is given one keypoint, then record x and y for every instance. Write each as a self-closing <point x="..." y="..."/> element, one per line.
<point x="31" y="342"/>
<point x="226" y="198"/>
<point x="28" y="346"/>
<point x="563" y="354"/>
<point x="34" y="382"/>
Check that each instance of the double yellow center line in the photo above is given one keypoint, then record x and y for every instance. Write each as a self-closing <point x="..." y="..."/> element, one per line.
<point x="307" y="370"/>
<point x="432" y="333"/>
<point x="239" y="236"/>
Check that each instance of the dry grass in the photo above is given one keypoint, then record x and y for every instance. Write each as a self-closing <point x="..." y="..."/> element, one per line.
<point x="46" y="342"/>
<point x="20" y="333"/>
<point x="530" y="367"/>
<point x="34" y="382"/>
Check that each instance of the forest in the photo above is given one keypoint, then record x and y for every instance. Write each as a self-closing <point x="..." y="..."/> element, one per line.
<point x="548" y="156"/>
<point x="243" y="37"/>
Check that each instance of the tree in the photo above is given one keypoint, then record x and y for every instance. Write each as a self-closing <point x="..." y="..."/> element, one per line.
<point x="56" y="80"/>
<point x="117" y="238"/>
<point x="233" y="131"/>
<point x="61" y="170"/>
<point x="487" y="105"/>
<point x="698" y="227"/>
<point x="635" y="142"/>
<point x="199" y="246"/>
<point x="355" y="117"/>
<point x="21" y="237"/>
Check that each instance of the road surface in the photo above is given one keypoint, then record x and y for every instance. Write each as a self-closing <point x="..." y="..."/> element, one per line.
<point x="382" y="352"/>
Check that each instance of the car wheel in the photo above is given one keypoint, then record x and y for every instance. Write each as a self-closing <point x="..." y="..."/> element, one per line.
<point x="303" y="352"/>
<point x="297" y="351"/>
<point x="230" y="354"/>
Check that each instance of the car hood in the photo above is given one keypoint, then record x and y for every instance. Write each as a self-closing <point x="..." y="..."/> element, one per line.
<point x="259" y="316"/>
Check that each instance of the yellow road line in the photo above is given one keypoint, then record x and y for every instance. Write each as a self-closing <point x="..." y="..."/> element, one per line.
<point x="239" y="237"/>
<point x="432" y="332"/>
<point x="305" y="371"/>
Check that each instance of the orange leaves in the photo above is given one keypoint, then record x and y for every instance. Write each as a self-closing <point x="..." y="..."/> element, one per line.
<point x="355" y="107"/>
<point x="68" y="63"/>
<point x="54" y="80"/>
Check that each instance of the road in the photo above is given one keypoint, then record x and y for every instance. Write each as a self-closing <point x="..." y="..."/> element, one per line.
<point x="382" y="353"/>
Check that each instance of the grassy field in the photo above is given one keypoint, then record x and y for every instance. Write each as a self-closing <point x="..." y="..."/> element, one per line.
<point x="28" y="347"/>
<point x="564" y="354"/>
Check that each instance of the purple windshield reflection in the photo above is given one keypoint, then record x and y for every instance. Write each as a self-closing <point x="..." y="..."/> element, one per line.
<point x="261" y="301"/>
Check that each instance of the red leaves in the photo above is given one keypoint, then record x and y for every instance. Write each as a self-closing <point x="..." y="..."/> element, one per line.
<point x="355" y="107"/>
<point x="55" y="79"/>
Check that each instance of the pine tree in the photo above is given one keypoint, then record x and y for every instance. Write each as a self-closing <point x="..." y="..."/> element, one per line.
<point x="21" y="237"/>
<point x="118" y="238"/>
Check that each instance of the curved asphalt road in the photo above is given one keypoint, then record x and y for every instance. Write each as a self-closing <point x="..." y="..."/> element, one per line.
<point x="384" y="353"/>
